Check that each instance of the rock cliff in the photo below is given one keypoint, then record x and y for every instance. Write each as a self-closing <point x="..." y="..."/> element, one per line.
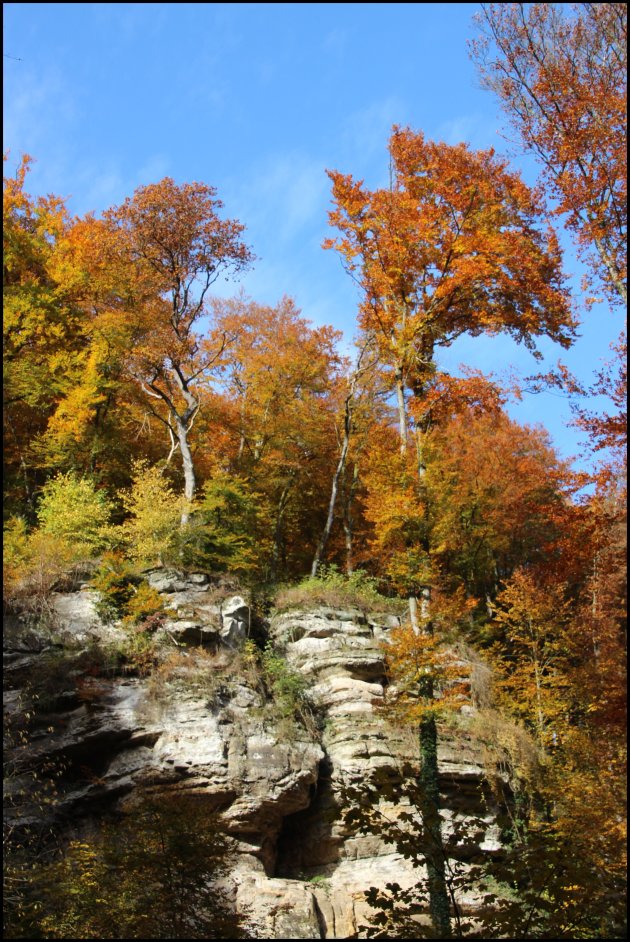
<point x="201" y="722"/>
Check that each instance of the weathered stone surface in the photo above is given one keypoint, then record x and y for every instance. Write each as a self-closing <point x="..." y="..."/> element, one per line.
<point x="300" y="873"/>
<point x="235" y="620"/>
<point x="190" y="631"/>
<point x="76" y="620"/>
<point x="19" y="638"/>
<point x="198" y="578"/>
<point x="344" y="662"/>
<point x="280" y="909"/>
<point x="166" y="580"/>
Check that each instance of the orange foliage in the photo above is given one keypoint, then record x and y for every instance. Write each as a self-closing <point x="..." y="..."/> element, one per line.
<point x="453" y="246"/>
<point x="561" y="77"/>
<point x="279" y="377"/>
<point x="417" y="662"/>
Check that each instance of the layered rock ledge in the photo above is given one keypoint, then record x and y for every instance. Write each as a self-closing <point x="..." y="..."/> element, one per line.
<point x="299" y="872"/>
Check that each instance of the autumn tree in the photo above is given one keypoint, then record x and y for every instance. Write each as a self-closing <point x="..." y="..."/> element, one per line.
<point x="147" y="267"/>
<point x="279" y="377"/>
<point x="43" y="331"/>
<point x="499" y="499"/>
<point x="155" y="871"/>
<point x="534" y="648"/>
<point x="560" y="74"/>
<point x="453" y="246"/>
<point x="153" y="510"/>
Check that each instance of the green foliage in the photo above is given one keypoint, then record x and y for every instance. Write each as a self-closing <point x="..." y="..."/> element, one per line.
<point x="116" y="580"/>
<point x="15" y="544"/>
<point x="150" y="874"/>
<point x="125" y="595"/>
<point x="227" y="531"/>
<point x="154" y="512"/>
<point x="74" y="511"/>
<point x="335" y="589"/>
<point x="538" y="888"/>
<point x="286" y="686"/>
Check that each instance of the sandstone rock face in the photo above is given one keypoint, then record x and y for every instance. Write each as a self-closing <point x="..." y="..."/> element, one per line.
<point x="299" y="872"/>
<point x="341" y="654"/>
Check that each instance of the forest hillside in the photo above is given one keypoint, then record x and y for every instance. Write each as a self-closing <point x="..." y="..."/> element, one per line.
<point x="336" y="545"/>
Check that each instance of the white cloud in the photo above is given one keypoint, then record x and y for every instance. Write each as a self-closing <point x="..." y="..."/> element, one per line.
<point x="154" y="169"/>
<point x="38" y="108"/>
<point x="282" y="199"/>
<point x="367" y="132"/>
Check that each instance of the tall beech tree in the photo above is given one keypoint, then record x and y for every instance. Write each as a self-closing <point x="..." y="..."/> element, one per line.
<point x="150" y="263"/>
<point x="176" y="233"/>
<point x="560" y="72"/>
<point x="453" y="246"/>
<point x="355" y="414"/>
<point x="42" y="330"/>
<point x="280" y="375"/>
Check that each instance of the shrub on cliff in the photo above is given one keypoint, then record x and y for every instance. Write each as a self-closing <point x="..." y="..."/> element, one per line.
<point x="74" y="511"/>
<point x="336" y="590"/>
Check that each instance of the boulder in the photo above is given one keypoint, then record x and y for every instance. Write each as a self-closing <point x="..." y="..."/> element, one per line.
<point x="235" y="621"/>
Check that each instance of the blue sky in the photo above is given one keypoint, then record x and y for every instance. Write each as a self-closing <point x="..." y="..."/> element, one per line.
<point x="258" y="100"/>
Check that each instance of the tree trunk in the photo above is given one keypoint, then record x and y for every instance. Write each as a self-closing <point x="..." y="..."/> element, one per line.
<point x="340" y="470"/>
<point x="439" y="906"/>
<point x="331" y="505"/>
<point x="402" y="410"/>
<point x="347" y="518"/>
<point x="190" y="482"/>
<point x="277" y="536"/>
<point x="413" y="613"/>
<point x="432" y="828"/>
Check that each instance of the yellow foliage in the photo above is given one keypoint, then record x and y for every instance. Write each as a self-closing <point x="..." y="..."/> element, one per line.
<point x="425" y="676"/>
<point x="75" y="512"/>
<point x="154" y="514"/>
<point x="32" y="564"/>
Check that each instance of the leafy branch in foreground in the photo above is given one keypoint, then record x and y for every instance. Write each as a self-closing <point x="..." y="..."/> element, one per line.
<point x="151" y="874"/>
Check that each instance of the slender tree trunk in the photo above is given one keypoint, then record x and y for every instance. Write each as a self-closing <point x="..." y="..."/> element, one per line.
<point x="348" y="522"/>
<point x="439" y="906"/>
<point x="190" y="481"/>
<point x="402" y="409"/>
<point x="183" y="424"/>
<point x="413" y="613"/>
<point x="434" y="848"/>
<point x="339" y="474"/>
<point x="277" y="536"/>
<point x="402" y="431"/>
<point x="319" y="552"/>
